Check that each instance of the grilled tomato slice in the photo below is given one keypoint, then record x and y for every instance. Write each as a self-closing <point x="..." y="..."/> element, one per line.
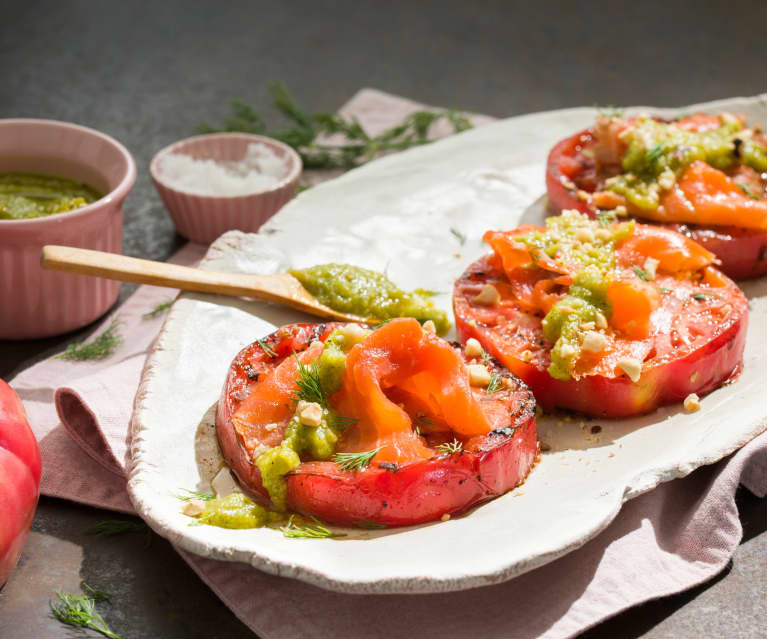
<point x="704" y="176"/>
<point x="608" y="318"/>
<point x="384" y="427"/>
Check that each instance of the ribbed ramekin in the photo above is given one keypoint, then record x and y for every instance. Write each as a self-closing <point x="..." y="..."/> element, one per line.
<point x="37" y="303"/>
<point x="202" y="218"/>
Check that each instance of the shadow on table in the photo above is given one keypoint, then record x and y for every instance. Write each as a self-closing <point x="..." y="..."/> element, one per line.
<point x="154" y="593"/>
<point x="639" y="620"/>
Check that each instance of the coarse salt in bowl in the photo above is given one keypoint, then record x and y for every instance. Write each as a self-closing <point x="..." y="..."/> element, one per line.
<point x="214" y="183"/>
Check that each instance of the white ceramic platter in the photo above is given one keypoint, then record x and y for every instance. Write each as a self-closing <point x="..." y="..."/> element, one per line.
<point x="396" y="215"/>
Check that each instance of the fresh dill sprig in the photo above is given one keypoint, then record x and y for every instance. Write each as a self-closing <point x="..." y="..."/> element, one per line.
<point x="308" y="381"/>
<point x="641" y="274"/>
<point x="654" y="153"/>
<point x="357" y="147"/>
<point x="96" y="594"/>
<point x="370" y="525"/>
<point x="386" y="321"/>
<point x="748" y="192"/>
<point x="164" y="306"/>
<point x="486" y="359"/>
<point x="496" y="384"/>
<point x="663" y="289"/>
<point x="266" y="348"/>
<point x="115" y="527"/>
<point x="450" y="448"/>
<point x="609" y="110"/>
<point x="79" y="611"/>
<point x="460" y="236"/>
<point x="193" y="494"/>
<point x="103" y="346"/>
<point x="308" y="531"/>
<point x="342" y="422"/>
<point x="355" y="461"/>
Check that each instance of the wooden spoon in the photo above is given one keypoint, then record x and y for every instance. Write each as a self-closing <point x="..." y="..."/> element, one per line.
<point x="282" y="288"/>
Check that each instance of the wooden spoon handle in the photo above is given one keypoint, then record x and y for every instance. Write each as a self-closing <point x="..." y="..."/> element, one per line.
<point x="282" y="288"/>
<point x="131" y="269"/>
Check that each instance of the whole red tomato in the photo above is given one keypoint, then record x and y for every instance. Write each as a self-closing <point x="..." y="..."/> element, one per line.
<point x="19" y="479"/>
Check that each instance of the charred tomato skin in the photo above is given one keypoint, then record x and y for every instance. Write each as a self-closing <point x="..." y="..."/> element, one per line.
<point x="665" y="382"/>
<point x="248" y="366"/>
<point x="420" y="491"/>
<point x="742" y="251"/>
<point x="383" y="493"/>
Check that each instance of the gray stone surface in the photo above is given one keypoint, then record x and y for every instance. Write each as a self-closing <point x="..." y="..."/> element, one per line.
<point x="149" y="73"/>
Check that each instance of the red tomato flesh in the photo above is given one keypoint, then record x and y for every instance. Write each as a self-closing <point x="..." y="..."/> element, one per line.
<point x="423" y="380"/>
<point x="741" y="251"/>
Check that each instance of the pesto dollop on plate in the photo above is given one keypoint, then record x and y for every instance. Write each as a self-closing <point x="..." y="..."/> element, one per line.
<point x="29" y="195"/>
<point x="365" y="293"/>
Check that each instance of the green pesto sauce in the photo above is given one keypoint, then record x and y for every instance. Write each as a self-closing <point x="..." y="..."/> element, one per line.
<point x="302" y="442"/>
<point x="562" y="325"/>
<point x="237" y="511"/>
<point x="655" y="148"/>
<point x="366" y="293"/>
<point x="561" y="240"/>
<point x="589" y="247"/>
<point x="331" y="364"/>
<point x="28" y="195"/>
<point x="316" y="443"/>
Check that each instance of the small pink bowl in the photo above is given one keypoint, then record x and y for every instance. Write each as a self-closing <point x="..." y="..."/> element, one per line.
<point x="202" y="218"/>
<point x="37" y="303"/>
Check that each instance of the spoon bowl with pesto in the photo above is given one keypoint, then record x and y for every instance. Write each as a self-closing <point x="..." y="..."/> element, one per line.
<point x="335" y="291"/>
<point x="60" y="183"/>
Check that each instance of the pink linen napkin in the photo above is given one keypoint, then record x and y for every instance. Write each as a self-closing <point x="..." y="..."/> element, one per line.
<point x="663" y="542"/>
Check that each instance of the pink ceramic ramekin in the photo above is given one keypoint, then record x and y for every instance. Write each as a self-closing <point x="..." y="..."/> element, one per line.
<point x="202" y="218"/>
<point x="38" y="303"/>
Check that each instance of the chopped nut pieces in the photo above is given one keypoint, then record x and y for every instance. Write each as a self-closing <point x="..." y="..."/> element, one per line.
<point x="309" y="413"/>
<point x="445" y="517"/>
<point x="473" y="348"/>
<point x="429" y="327"/>
<point x="594" y="342"/>
<point x="601" y="321"/>
<point x="488" y="296"/>
<point x="691" y="403"/>
<point x="193" y="507"/>
<point x="584" y="235"/>
<point x="666" y="180"/>
<point x="632" y="367"/>
<point x="478" y="375"/>
<point x="651" y="266"/>
<point x="567" y="350"/>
